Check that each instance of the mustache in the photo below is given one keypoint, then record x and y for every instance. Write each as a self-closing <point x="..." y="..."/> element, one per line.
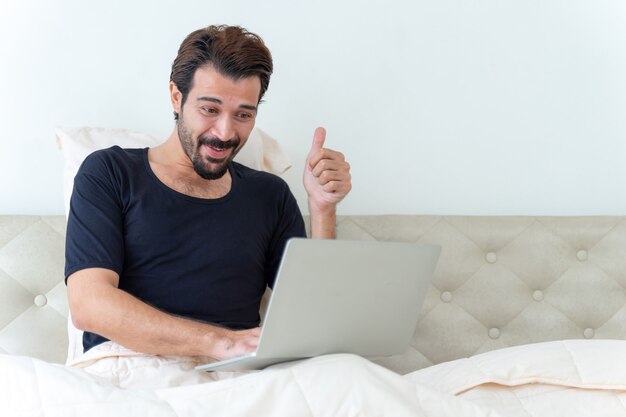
<point x="219" y="144"/>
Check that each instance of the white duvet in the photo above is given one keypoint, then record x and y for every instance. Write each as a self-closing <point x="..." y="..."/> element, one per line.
<point x="568" y="378"/>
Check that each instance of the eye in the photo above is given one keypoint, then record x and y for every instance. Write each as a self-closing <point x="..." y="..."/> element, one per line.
<point x="208" y="110"/>
<point x="244" y="115"/>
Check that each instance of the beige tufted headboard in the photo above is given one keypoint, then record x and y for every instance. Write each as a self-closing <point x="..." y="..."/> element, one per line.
<point x="500" y="281"/>
<point x="33" y="301"/>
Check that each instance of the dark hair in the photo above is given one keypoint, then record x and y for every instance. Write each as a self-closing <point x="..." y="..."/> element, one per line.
<point x="231" y="50"/>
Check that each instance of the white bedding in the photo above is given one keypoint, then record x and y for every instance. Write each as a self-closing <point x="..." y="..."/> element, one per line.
<point x="334" y="385"/>
<point x="566" y="378"/>
<point x="573" y="378"/>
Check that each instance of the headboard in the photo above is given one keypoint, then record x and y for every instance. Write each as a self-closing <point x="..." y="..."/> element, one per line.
<point x="33" y="300"/>
<point x="500" y="281"/>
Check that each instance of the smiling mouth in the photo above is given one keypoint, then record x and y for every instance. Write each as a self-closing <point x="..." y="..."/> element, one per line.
<point x="217" y="154"/>
<point x="221" y="146"/>
<point x="216" y="149"/>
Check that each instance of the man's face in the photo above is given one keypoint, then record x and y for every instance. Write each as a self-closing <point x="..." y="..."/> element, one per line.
<point x="216" y="119"/>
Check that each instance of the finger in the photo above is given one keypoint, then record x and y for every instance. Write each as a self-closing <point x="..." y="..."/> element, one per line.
<point x="329" y="175"/>
<point x="251" y="343"/>
<point x="249" y="338"/>
<point x="337" y="187"/>
<point x="330" y="165"/>
<point x="319" y="137"/>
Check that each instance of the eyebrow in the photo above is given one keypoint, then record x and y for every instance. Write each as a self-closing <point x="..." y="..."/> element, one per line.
<point x="218" y="101"/>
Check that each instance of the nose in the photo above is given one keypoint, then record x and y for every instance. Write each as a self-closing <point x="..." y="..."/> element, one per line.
<point x="223" y="128"/>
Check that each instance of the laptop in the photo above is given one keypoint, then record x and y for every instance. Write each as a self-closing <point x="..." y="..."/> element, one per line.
<point x="340" y="296"/>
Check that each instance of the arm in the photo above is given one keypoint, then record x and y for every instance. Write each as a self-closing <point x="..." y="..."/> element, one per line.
<point x="327" y="181"/>
<point x="99" y="306"/>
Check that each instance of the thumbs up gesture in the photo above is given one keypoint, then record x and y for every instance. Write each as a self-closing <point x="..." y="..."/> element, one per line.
<point x="327" y="177"/>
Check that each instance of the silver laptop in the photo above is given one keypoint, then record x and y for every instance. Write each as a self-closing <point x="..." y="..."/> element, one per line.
<point x="338" y="296"/>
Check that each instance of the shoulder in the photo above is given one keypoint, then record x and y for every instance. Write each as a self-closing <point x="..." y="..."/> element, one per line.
<point x="262" y="188"/>
<point x="111" y="160"/>
<point x="259" y="178"/>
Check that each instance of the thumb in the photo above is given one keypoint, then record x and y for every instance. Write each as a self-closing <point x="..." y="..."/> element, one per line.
<point x="318" y="140"/>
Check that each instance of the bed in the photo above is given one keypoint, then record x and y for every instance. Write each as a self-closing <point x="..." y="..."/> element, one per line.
<point x="525" y="317"/>
<point x="523" y="313"/>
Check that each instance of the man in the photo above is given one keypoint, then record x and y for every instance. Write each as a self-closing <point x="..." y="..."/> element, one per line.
<point x="169" y="249"/>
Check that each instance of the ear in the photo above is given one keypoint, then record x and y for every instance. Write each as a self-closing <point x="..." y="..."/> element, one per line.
<point x="176" y="97"/>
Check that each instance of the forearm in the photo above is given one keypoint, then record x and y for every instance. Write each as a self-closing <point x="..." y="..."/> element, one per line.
<point x="323" y="221"/>
<point x="99" y="307"/>
<point x="124" y="319"/>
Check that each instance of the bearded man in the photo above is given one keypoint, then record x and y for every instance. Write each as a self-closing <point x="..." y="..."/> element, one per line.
<point x="170" y="249"/>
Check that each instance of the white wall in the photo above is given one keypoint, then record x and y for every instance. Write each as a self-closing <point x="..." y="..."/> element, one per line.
<point x="444" y="107"/>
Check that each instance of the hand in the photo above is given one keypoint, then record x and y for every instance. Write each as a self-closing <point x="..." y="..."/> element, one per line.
<point x="327" y="177"/>
<point x="233" y="343"/>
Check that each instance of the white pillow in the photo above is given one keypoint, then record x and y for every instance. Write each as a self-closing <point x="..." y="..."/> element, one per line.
<point x="261" y="152"/>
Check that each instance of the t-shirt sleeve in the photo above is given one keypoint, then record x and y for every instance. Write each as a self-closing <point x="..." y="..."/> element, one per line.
<point x="95" y="223"/>
<point x="290" y="225"/>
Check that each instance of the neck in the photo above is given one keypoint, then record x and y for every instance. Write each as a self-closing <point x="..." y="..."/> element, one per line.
<point x="172" y="166"/>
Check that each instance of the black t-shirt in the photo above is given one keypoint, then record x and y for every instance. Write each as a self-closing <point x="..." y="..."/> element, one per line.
<point x="206" y="259"/>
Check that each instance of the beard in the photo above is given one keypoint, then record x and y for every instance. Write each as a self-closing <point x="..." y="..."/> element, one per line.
<point x="207" y="167"/>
